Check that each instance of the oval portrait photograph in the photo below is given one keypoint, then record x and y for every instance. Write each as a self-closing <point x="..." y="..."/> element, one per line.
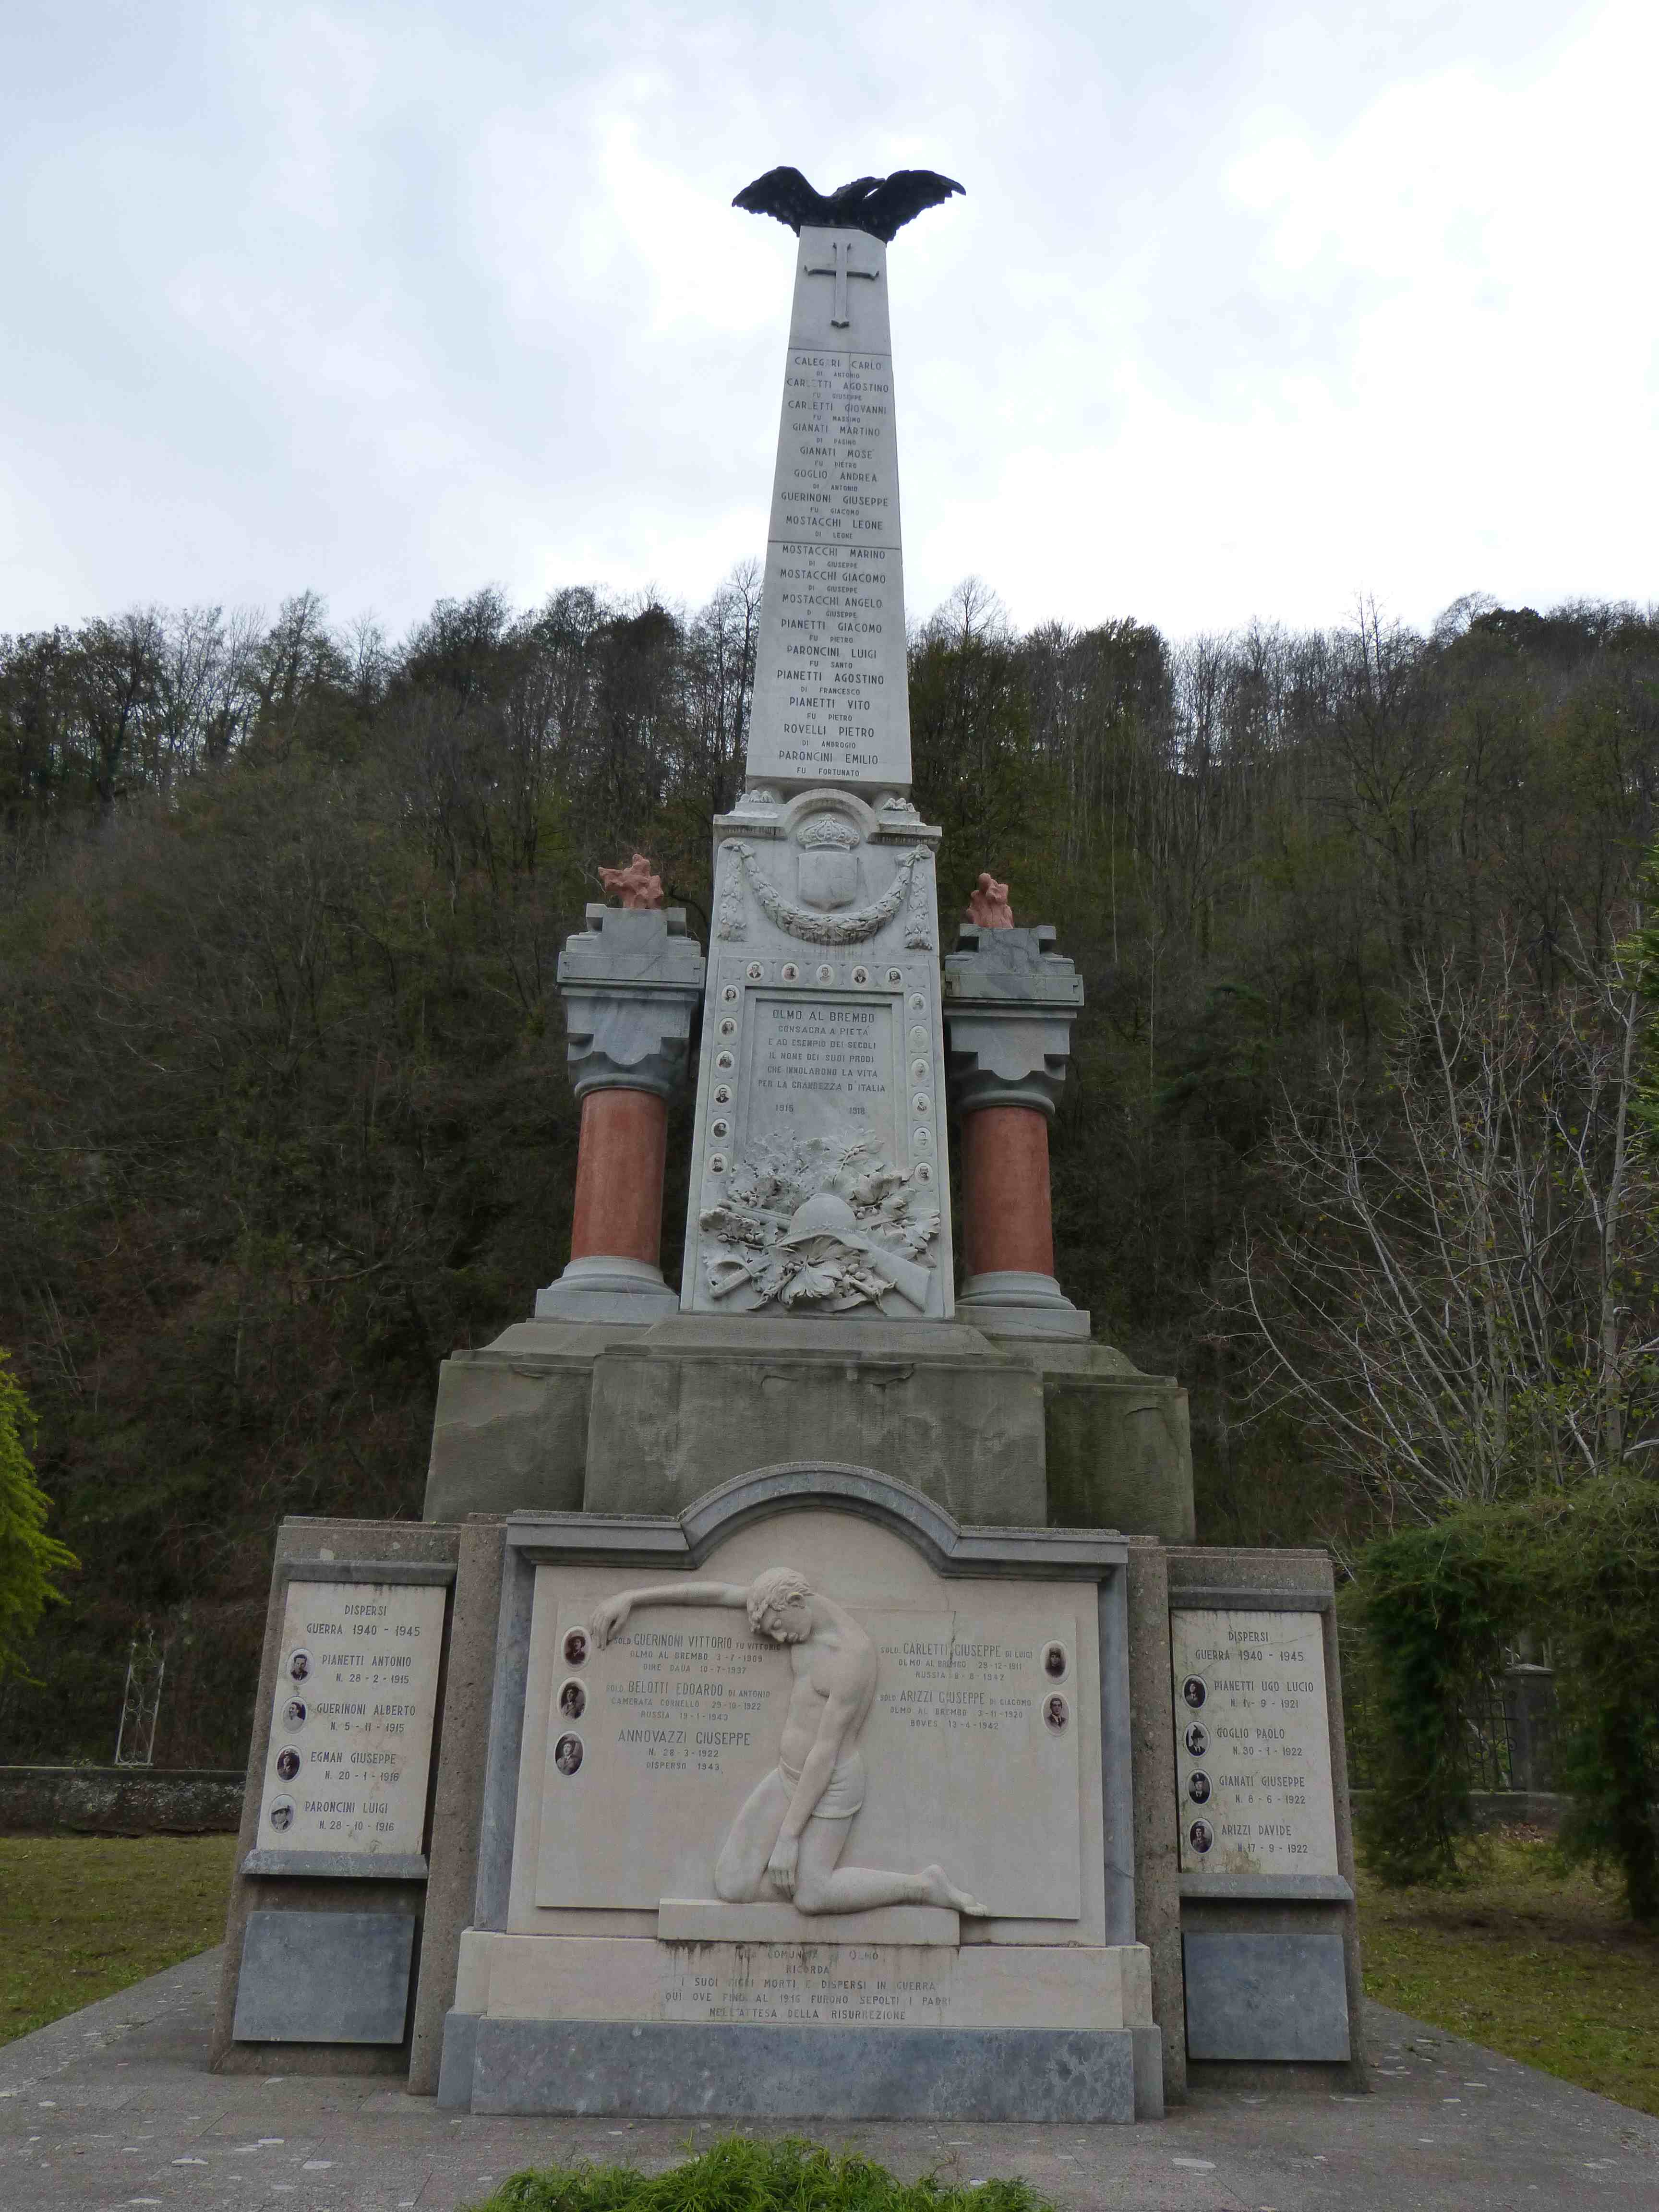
<point x="1198" y="1788"/>
<point x="1201" y="1835"/>
<point x="573" y="1700"/>
<point x="568" y="1753"/>
<point x="1197" y="1739"/>
<point x="1056" y="1712"/>
<point x="575" y="1647"/>
<point x="1054" y="1661"/>
<point x="294" y="1714"/>
<point x="287" y="1765"/>
<point x="1193" y="1692"/>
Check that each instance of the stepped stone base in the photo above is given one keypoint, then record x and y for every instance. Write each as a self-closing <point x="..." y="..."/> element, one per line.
<point x="1004" y="1430"/>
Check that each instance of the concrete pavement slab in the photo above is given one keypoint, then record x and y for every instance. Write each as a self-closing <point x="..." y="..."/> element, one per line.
<point x="112" y="2108"/>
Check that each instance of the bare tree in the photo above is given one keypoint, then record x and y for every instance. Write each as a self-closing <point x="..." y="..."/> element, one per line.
<point x="1458" y="1298"/>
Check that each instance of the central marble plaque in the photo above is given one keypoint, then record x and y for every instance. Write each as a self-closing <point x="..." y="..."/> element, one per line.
<point x="679" y="1719"/>
<point x="819" y="1183"/>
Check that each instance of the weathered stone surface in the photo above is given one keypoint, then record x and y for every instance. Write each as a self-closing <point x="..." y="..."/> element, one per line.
<point x="1157" y="1892"/>
<point x="675" y="1411"/>
<point x="1255" y="1995"/>
<point x="325" y="1977"/>
<point x="703" y="1920"/>
<point x="511" y="1432"/>
<point x="820" y="1982"/>
<point x="118" y="1801"/>
<point x="1029" y="2074"/>
<point x="452" y="1887"/>
<point x="998" y="1427"/>
<point x="1010" y="1003"/>
<point x="1117" y="1452"/>
<point x="630" y="982"/>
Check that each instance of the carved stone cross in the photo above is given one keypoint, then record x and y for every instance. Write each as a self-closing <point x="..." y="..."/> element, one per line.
<point x="840" y="269"/>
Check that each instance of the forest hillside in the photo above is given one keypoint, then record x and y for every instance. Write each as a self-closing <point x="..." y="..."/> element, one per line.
<point x="1350" y="1142"/>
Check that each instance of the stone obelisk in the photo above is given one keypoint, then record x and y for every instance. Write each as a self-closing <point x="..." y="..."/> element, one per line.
<point x="819" y="1185"/>
<point x="830" y="704"/>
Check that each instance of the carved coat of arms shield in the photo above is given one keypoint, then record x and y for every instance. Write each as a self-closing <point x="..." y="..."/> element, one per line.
<point x="829" y="864"/>
<point x="828" y="878"/>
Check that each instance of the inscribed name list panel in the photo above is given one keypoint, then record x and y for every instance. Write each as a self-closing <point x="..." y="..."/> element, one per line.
<point x="653" y="1743"/>
<point x="837" y="467"/>
<point x="1253" y="1757"/>
<point x="968" y="1757"/>
<point x="831" y="691"/>
<point x="974" y="1737"/>
<point x="820" y="1174"/>
<point x="352" y="1717"/>
<point x="831" y="701"/>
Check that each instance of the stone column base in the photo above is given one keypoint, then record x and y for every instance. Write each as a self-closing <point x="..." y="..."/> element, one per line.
<point x="605" y="1287"/>
<point x="1010" y="1301"/>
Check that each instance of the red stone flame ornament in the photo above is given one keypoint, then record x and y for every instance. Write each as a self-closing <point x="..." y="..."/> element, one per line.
<point x="988" y="906"/>
<point x="635" y="886"/>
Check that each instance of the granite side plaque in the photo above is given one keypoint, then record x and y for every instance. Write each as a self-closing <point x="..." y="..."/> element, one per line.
<point x="1253" y="1758"/>
<point x="660" y="1739"/>
<point x="325" y="1977"/>
<point x="351" y="1727"/>
<point x="831" y="677"/>
<point x="1265" y="1994"/>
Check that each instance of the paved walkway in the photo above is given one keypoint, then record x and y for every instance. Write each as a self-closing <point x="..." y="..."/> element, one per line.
<point x="112" y="2107"/>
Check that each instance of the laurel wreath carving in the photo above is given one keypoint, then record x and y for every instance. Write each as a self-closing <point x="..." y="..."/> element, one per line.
<point x="829" y="928"/>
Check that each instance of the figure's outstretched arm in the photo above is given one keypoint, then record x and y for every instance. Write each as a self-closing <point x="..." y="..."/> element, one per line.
<point x="610" y="1617"/>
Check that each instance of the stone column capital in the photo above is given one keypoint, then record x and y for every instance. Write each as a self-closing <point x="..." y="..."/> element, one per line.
<point x="1010" y="1002"/>
<point x="632" y="983"/>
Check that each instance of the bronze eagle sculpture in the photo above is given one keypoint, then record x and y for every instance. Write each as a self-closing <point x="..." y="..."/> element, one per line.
<point x="879" y="205"/>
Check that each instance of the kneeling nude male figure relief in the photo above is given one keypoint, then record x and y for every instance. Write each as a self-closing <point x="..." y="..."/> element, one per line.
<point x="793" y="1826"/>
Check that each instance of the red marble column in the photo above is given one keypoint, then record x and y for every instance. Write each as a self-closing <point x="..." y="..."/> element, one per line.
<point x="1007" y="1217"/>
<point x="619" y="1171"/>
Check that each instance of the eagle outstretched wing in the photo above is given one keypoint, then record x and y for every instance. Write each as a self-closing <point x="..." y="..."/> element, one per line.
<point x="786" y="194"/>
<point x="900" y="198"/>
<point x="879" y="205"/>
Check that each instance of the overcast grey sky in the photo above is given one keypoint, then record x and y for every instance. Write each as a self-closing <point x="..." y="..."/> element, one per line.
<point x="1251" y="308"/>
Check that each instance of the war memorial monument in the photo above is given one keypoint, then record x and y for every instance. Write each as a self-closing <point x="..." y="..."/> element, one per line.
<point x="803" y="1697"/>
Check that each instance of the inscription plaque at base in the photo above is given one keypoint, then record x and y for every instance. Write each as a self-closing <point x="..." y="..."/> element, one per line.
<point x="1252" y="1747"/>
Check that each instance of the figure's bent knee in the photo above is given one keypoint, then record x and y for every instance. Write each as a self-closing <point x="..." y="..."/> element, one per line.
<point x="729" y="1886"/>
<point x="811" y="1896"/>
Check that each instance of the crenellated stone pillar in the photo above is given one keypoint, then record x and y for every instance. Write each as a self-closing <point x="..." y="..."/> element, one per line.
<point x="632" y="983"/>
<point x="1010" y="1001"/>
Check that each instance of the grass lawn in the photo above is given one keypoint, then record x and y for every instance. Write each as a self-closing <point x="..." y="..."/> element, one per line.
<point x="82" y="1917"/>
<point x="1528" y="1959"/>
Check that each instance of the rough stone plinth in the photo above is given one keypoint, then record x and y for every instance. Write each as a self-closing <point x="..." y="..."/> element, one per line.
<point x="998" y="1425"/>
